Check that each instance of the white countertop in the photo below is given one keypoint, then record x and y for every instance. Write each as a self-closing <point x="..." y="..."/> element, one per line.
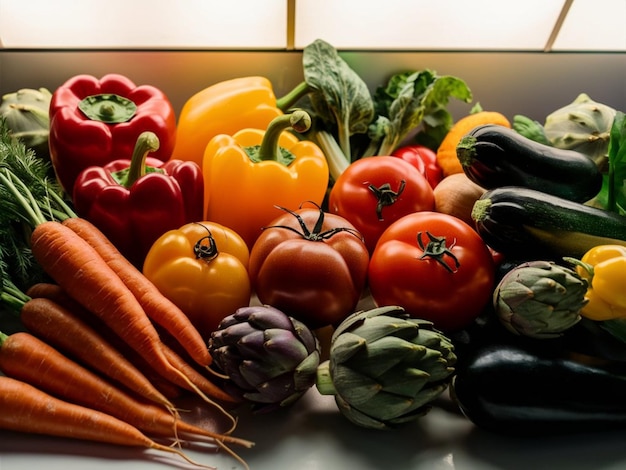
<point x="313" y="435"/>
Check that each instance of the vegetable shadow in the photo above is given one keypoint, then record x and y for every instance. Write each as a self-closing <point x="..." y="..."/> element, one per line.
<point x="581" y="451"/>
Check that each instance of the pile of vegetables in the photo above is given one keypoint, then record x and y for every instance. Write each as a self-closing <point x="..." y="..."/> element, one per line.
<point x="104" y="310"/>
<point x="221" y="241"/>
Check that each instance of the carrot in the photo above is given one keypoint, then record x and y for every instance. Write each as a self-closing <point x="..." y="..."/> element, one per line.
<point x="158" y="307"/>
<point x="87" y="278"/>
<point x="167" y="387"/>
<point x="64" y="330"/>
<point x="40" y="313"/>
<point x="53" y="292"/>
<point x="198" y="380"/>
<point x="25" y="408"/>
<point x="78" y="268"/>
<point x="26" y="358"/>
<point x="202" y="382"/>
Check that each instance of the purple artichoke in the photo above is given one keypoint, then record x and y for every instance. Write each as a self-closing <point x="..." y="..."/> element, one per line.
<point x="270" y="359"/>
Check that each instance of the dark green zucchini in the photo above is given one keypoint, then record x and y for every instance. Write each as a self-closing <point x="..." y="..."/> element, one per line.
<point x="524" y="223"/>
<point x="494" y="156"/>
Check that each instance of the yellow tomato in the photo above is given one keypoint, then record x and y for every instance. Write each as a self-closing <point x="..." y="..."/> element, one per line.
<point x="202" y="268"/>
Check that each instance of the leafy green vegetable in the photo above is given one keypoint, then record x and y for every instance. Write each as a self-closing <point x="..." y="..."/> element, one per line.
<point x="339" y="97"/>
<point x="349" y="123"/>
<point x="612" y="196"/>
<point x="410" y="99"/>
<point x="616" y="184"/>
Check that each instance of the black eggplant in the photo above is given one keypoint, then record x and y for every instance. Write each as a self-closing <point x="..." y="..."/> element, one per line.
<point x="494" y="156"/>
<point x="526" y="387"/>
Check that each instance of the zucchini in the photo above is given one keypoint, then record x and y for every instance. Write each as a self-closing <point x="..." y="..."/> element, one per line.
<point x="494" y="156"/>
<point x="527" y="224"/>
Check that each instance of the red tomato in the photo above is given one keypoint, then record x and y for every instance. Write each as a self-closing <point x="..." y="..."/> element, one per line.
<point x="311" y="265"/>
<point x="424" y="159"/>
<point x="374" y="192"/>
<point x="435" y="266"/>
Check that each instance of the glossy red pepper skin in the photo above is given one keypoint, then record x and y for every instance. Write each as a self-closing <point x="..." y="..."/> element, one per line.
<point x="424" y="159"/>
<point x="77" y="141"/>
<point x="134" y="218"/>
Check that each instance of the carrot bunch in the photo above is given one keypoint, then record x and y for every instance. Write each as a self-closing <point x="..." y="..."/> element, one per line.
<point x="64" y="376"/>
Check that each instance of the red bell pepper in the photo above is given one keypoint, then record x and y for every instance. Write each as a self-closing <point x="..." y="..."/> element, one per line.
<point x="133" y="202"/>
<point x="424" y="159"/>
<point x="93" y="122"/>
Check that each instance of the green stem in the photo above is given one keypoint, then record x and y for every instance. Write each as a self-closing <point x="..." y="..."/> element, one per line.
<point x="291" y="98"/>
<point x="299" y="121"/>
<point x="55" y="207"/>
<point x="11" y="296"/>
<point x="65" y="211"/>
<point x="13" y="303"/>
<point x="146" y="142"/>
<point x="611" y="204"/>
<point x="337" y="160"/>
<point x="372" y="149"/>
<point x="578" y="263"/>
<point x="11" y="290"/>
<point x="3" y="338"/>
<point x="324" y="381"/>
<point x="30" y="207"/>
<point x="388" y="145"/>
<point x="344" y="139"/>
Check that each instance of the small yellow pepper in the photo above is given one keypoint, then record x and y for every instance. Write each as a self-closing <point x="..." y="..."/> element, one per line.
<point x="202" y="267"/>
<point x="223" y="108"/>
<point x="247" y="175"/>
<point x="604" y="267"/>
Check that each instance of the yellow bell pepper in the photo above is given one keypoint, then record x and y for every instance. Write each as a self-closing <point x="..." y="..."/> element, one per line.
<point x="202" y="267"/>
<point x="223" y="108"/>
<point x="604" y="268"/>
<point x="251" y="172"/>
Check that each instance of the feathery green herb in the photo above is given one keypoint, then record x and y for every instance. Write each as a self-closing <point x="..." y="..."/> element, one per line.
<point x="24" y="174"/>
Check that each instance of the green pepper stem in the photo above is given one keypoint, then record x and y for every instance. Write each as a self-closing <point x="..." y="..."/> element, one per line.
<point x="146" y="142"/>
<point x="107" y="107"/>
<point x="292" y="97"/>
<point x="578" y="263"/>
<point x="298" y="120"/>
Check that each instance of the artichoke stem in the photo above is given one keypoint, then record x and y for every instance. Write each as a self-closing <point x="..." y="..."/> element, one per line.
<point x="324" y="381"/>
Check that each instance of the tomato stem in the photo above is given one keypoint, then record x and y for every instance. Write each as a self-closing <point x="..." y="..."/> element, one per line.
<point x="385" y="196"/>
<point x="315" y="235"/>
<point x="437" y="250"/>
<point x="206" y="251"/>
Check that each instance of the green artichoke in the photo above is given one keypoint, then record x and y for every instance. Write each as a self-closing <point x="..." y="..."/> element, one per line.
<point x="530" y="129"/>
<point x="583" y="125"/>
<point x="385" y="368"/>
<point x="26" y="114"/>
<point x="270" y="358"/>
<point x="540" y="299"/>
